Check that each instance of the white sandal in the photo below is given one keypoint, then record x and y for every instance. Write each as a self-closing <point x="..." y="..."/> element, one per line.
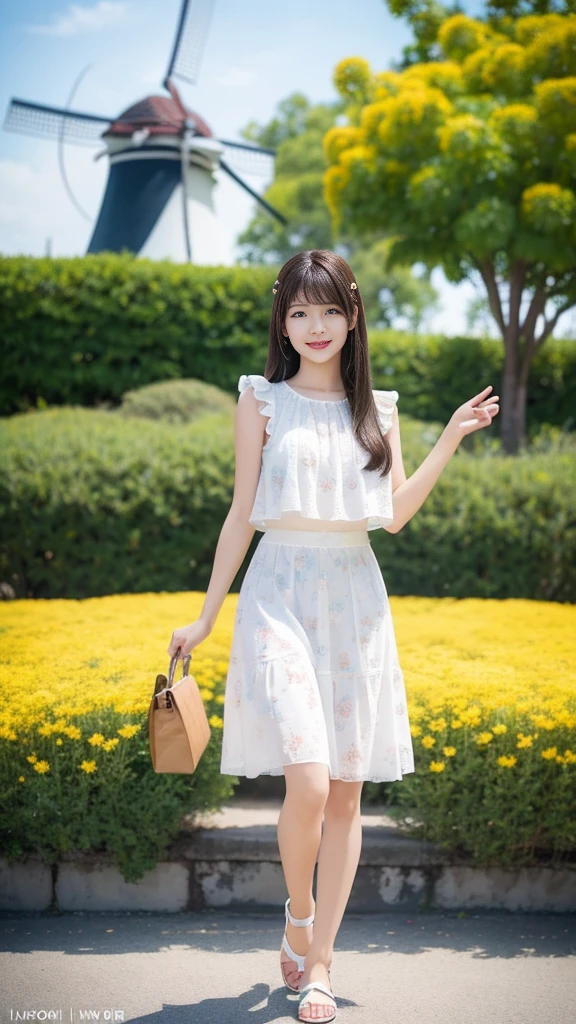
<point x="302" y="922"/>
<point x="306" y="1002"/>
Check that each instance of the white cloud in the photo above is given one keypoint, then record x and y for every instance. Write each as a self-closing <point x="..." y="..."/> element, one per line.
<point x="83" y="20"/>
<point x="236" y="77"/>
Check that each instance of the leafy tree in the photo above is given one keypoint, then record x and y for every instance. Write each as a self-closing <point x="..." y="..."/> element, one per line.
<point x="296" y="133"/>
<point x="471" y="161"/>
<point x="426" y="17"/>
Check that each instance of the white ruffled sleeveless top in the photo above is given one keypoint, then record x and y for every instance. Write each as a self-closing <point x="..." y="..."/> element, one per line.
<point x="312" y="464"/>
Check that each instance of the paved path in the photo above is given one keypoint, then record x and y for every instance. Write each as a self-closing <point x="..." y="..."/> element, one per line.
<point x="219" y="968"/>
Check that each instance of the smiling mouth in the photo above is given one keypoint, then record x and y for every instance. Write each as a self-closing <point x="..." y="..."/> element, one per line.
<point x="319" y="344"/>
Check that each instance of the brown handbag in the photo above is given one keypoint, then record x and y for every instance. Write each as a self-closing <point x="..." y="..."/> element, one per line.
<point x="178" y="727"/>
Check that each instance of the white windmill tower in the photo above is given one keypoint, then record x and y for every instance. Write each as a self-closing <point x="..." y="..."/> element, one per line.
<point x="159" y="197"/>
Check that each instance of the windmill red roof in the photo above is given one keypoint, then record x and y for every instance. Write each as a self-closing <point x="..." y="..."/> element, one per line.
<point x="160" y="114"/>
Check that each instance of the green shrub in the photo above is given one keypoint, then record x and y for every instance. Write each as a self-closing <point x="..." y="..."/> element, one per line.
<point x="124" y="810"/>
<point x="176" y="401"/>
<point x="85" y="330"/>
<point x="93" y="503"/>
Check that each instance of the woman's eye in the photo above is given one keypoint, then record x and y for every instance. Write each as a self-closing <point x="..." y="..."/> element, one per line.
<point x="331" y="310"/>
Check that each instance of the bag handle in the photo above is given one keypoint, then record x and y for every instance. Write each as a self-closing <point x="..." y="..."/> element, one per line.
<point x="173" y="663"/>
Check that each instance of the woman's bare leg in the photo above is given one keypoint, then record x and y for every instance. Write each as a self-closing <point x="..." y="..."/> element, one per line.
<point x="299" y="834"/>
<point x="337" y="865"/>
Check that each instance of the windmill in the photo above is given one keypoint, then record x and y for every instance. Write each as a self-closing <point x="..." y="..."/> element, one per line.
<point x="158" y="200"/>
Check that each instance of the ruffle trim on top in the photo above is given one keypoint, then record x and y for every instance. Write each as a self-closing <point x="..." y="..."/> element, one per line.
<point x="264" y="392"/>
<point x="385" y="402"/>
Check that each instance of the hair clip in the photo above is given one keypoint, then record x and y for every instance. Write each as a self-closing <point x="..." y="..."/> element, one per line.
<point x="353" y="285"/>
<point x="275" y="289"/>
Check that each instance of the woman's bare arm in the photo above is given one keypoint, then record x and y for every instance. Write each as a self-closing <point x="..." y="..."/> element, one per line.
<point x="408" y="495"/>
<point x="237" y="531"/>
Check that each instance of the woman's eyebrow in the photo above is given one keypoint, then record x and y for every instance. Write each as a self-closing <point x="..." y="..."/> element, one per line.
<point x="310" y="304"/>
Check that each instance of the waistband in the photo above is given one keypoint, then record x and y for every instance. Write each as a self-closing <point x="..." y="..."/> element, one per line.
<point x="316" y="538"/>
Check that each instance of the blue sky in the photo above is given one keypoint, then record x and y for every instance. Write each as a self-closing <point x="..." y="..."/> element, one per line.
<point x="257" y="53"/>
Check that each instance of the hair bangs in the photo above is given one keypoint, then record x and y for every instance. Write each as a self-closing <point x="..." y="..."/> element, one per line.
<point x="316" y="286"/>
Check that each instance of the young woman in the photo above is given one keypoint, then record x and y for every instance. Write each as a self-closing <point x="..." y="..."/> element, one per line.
<point x="314" y="689"/>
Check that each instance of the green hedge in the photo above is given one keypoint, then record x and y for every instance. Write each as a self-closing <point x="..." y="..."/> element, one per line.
<point x="94" y="503"/>
<point x="84" y="330"/>
<point x="434" y="375"/>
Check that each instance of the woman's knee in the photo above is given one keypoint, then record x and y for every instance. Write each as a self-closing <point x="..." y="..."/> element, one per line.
<point x="307" y="786"/>
<point x="343" y="800"/>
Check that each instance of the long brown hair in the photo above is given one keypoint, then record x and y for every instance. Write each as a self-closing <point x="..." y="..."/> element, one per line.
<point x="321" y="276"/>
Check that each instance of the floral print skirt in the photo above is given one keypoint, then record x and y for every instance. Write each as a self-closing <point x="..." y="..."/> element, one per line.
<point x="314" y="672"/>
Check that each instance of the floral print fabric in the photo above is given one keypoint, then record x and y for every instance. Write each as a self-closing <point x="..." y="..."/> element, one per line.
<point x="314" y="672"/>
<point x="312" y="462"/>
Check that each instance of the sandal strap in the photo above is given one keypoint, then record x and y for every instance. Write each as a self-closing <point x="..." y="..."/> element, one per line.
<point x="292" y="954"/>
<point x="300" y="922"/>
<point x="320" y="986"/>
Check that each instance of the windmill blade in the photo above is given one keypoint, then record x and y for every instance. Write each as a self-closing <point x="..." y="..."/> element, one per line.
<point x="193" y="25"/>
<point x="259" y="199"/>
<point x="249" y="159"/>
<point x="249" y="146"/>
<point x="51" y="122"/>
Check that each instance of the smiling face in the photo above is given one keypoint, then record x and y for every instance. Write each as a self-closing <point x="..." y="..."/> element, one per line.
<point x="317" y="331"/>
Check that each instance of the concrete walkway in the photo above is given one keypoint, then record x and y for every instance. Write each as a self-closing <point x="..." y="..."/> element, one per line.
<point x="221" y="968"/>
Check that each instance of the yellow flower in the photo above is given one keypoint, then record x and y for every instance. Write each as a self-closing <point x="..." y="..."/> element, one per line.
<point x="484" y="738"/>
<point x="110" y="744"/>
<point x="59" y="742"/>
<point x="338" y="139"/>
<point x="96" y="739"/>
<point x="499" y="729"/>
<point x="524" y="741"/>
<point x="7" y="733"/>
<point x="416" y="730"/>
<point x="549" y="753"/>
<point x="437" y="725"/>
<point x="32" y="758"/>
<point x="437" y="766"/>
<point x="456" y="723"/>
<point x="216" y="721"/>
<point x="41" y="767"/>
<point x="449" y="751"/>
<point x="127" y="731"/>
<point x="428" y="741"/>
<point x="88" y="767"/>
<point x="72" y="732"/>
<point x="507" y="761"/>
<point x="21" y="778"/>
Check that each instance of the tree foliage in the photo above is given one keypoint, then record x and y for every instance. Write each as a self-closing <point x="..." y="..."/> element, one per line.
<point x="426" y="17"/>
<point x="296" y="132"/>
<point x="471" y="161"/>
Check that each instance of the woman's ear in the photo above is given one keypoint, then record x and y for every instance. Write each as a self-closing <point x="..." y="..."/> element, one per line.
<point x="354" y="319"/>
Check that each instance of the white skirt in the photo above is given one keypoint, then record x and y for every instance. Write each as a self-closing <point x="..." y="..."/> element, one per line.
<point x="314" y="672"/>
